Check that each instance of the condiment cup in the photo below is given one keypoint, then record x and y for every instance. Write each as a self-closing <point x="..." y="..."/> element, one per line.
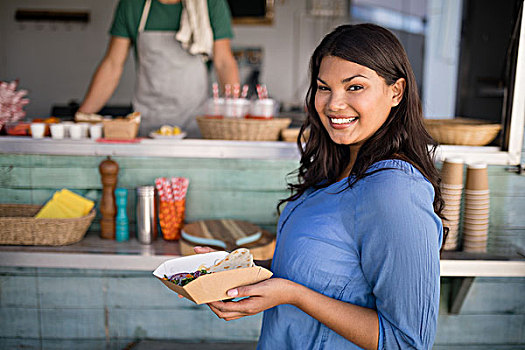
<point x="57" y="131"/>
<point x="38" y="130"/>
<point x="75" y="132"/>
<point x="67" y="125"/>
<point x="84" y="127"/>
<point x="95" y="131"/>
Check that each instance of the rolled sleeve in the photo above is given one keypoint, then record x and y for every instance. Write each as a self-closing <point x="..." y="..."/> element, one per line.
<point x="399" y="246"/>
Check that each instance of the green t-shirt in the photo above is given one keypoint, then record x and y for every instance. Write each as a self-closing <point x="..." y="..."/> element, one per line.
<point x="166" y="17"/>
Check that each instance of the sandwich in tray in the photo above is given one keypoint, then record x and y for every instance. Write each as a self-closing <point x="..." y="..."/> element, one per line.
<point x="205" y="278"/>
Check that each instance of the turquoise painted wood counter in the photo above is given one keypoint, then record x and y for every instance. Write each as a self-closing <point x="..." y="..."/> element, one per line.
<point x="105" y="308"/>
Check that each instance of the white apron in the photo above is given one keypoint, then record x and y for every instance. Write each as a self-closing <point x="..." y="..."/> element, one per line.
<point x="171" y="85"/>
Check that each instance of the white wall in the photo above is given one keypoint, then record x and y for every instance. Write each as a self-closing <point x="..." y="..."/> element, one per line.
<point x="55" y="61"/>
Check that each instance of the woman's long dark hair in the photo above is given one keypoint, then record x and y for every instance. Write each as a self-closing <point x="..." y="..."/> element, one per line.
<point x="402" y="136"/>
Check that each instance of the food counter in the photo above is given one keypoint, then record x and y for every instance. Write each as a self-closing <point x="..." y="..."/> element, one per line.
<point x="109" y="284"/>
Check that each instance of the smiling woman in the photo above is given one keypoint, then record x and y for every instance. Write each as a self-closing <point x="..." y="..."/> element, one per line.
<point x="356" y="263"/>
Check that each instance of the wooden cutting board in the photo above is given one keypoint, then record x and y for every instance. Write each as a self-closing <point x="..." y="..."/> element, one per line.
<point x="227" y="234"/>
<point x="262" y="249"/>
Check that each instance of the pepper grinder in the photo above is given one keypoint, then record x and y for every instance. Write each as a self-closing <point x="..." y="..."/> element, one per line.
<point x="108" y="169"/>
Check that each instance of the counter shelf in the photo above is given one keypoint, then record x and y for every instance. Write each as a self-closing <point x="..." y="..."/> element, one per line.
<point x="94" y="252"/>
<point x="200" y="148"/>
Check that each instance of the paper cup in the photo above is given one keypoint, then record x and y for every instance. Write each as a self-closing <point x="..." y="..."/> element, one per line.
<point x="477" y="177"/>
<point x="467" y="223"/>
<point x="475" y="248"/>
<point x="477" y="192"/>
<point x="470" y="206"/>
<point x="472" y="226"/>
<point x="477" y="197"/>
<point x="470" y="201"/>
<point x="475" y="238"/>
<point x="476" y="212"/>
<point x="452" y="171"/>
<point x="476" y="215"/>
<point x="474" y="243"/>
<point x="452" y="192"/>
<point x="451" y="187"/>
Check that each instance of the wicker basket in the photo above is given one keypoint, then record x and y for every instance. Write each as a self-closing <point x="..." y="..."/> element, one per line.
<point x="291" y="135"/>
<point x="19" y="227"/>
<point x="242" y="129"/>
<point x="461" y="131"/>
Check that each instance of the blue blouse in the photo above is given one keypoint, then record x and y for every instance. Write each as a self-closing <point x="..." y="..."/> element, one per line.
<point x="375" y="245"/>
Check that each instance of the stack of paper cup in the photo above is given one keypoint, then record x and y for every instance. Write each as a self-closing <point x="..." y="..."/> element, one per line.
<point x="476" y="216"/>
<point x="451" y="190"/>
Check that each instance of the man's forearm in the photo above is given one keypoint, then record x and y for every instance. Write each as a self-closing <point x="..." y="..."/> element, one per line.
<point x="227" y="72"/>
<point x="104" y="83"/>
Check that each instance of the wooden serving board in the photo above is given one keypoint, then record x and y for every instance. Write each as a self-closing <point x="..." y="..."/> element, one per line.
<point x="262" y="249"/>
<point x="227" y="234"/>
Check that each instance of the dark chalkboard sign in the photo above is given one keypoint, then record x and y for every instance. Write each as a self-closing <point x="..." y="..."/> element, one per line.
<point x="252" y="11"/>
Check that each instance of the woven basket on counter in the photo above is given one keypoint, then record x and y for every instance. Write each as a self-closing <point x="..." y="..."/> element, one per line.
<point x="18" y="226"/>
<point x="461" y="131"/>
<point x="242" y="129"/>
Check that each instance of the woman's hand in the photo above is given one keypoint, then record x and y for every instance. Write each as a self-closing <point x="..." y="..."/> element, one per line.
<point x="203" y="250"/>
<point x="262" y="296"/>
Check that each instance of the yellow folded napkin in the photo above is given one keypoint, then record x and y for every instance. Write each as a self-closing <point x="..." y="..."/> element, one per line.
<point x="65" y="204"/>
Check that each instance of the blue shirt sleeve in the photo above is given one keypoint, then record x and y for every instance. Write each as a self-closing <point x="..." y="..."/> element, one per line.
<point x="398" y="239"/>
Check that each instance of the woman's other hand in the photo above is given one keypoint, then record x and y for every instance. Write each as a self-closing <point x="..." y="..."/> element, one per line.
<point x="261" y="296"/>
<point x="203" y="250"/>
